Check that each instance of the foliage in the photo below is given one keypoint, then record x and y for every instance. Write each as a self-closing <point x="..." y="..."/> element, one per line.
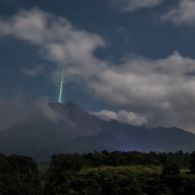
<point x="99" y="173"/>
<point x="18" y="175"/>
<point x="119" y="173"/>
<point x="170" y="168"/>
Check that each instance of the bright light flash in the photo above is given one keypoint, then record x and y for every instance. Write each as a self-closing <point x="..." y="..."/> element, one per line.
<point x="61" y="86"/>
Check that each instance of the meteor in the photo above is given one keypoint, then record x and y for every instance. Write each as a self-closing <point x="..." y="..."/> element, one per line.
<point x="61" y="86"/>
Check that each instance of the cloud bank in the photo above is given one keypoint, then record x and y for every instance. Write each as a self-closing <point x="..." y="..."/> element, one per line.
<point x="162" y="89"/>
<point x="17" y="109"/>
<point x="132" y="5"/>
<point x="122" y="116"/>
<point x="182" y="14"/>
<point x="59" y="41"/>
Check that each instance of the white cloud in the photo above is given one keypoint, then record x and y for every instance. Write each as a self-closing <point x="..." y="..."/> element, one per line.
<point x="162" y="88"/>
<point x="17" y="109"/>
<point x="183" y="14"/>
<point x="59" y="41"/>
<point x="122" y="116"/>
<point x="145" y="79"/>
<point x="33" y="71"/>
<point x="42" y="107"/>
<point x="132" y="5"/>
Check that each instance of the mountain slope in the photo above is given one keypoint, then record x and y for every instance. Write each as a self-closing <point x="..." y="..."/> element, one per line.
<point x="40" y="133"/>
<point x="145" y="140"/>
<point x="78" y="131"/>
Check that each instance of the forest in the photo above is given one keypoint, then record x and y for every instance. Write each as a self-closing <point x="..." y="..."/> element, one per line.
<point x="99" y="173"/>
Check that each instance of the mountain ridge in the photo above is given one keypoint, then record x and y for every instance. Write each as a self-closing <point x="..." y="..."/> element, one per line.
<point x="79" y="131"/>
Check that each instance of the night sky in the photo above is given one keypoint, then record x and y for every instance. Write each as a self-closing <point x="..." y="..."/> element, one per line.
<point x="130" y="60"/>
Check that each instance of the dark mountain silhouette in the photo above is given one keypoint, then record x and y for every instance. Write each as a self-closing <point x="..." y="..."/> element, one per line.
<point x="78" y="131"/>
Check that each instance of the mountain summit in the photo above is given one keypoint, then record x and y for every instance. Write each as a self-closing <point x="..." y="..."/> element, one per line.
<point x="69" y="109"/>
<point x="76" y="130"/>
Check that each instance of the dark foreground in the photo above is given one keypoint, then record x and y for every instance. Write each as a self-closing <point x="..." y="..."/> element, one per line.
<point x="100" y="173"/>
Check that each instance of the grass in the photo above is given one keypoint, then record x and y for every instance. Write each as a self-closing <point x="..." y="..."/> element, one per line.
<point x="136" y="170"/>
<point x="132" y="170"/>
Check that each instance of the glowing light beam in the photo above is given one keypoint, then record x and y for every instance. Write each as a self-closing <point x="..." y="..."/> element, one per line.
<point x="61" y="86"/>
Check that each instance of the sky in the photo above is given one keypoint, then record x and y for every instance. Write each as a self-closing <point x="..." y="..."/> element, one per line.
<point x="129" y="60"/>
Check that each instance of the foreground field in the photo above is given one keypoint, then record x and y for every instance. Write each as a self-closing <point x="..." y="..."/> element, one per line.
<point x="120" y="174"/>
<point x="99" y="173"/>
<point x="108" y="180"/>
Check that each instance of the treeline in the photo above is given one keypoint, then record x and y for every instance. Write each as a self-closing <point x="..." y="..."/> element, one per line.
<point x="118" y="158"/>
<point x="120" y="173"/>
<point x="100" y="173"/>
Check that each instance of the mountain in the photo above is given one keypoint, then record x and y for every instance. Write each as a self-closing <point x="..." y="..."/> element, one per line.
<point x="75" y="130"/>
<point x="40" y="134"/>
<point x="145" y="140"/>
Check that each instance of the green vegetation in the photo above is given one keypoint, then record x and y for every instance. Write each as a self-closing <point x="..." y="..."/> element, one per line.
<point x="99" y="173"/>
<point x="18" y="175"/>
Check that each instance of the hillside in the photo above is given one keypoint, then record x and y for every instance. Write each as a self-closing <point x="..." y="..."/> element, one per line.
<point x="79" y="131"/>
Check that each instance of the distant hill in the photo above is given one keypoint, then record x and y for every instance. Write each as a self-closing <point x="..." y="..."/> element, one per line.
<point x="79" y="131"/>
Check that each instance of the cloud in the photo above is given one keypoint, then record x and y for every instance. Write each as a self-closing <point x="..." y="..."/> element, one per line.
<point x="33" y="71"/>
<point x="162" y="90"/>
<point x="42" y="107"/>
<point x="122" y="116"/>
<point x="59" y="41"/>
<point x="11" y="111"/>
<point x="17" y="109"/>
<point x="182" y="14"/>
<point x="132" y="5"/>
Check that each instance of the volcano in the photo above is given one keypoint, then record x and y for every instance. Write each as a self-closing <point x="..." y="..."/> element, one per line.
<point x="76" y="130"/>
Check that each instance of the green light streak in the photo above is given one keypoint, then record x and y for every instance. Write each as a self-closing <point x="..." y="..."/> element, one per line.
<point x="61" y="87"/>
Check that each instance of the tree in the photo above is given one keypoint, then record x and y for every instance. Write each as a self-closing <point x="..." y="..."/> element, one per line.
<point x="170" y="168"/>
